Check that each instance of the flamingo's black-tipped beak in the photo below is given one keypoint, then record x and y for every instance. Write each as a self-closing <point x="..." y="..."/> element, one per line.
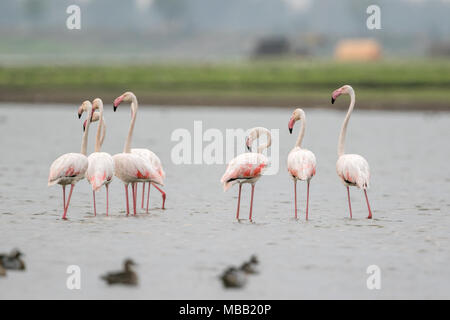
<point x="79" y="116"/>
<point x="84" y="128"/>
<point x="332" y="100"/>
<point x="249" y="148"/>
<point x="115" y="108"/>
<point x="290" y="130"/>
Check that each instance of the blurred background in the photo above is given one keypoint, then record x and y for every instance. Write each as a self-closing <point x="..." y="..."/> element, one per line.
<point x="215" y="52"/>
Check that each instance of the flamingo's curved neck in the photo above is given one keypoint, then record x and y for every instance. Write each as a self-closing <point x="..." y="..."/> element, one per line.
<point x="100" y="131"/>
<point x="84" y="141"/>
<point x="301" y="134"/>
<point x="261" y="148"/>
<point x="103" y="132"/>
<point x="134" y="108"/>
<point x="341" y="143"/>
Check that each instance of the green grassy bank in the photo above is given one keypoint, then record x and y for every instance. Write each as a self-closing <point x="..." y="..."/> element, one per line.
<point x="390" y="84"/>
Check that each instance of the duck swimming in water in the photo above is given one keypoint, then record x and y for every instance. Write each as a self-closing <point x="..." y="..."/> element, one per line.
<point x="12" y="261"/>
<point x="249" y="267"/>
<point x="127" y="276"/>
<point x="233" y="278"/>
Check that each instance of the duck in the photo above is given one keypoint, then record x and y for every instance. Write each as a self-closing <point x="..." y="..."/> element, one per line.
<point x="126" y="277"/>
<point x="2" y="271"/>
<point x="12" y="261"/>
<point x="233" y="278"/>
<point x="249" y="267"/>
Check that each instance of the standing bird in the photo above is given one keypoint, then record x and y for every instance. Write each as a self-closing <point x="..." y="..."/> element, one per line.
<point x="101" y="165"/>
<point x="301" y="163"/>
<point x="247" y="167"/>
<point x="71" y="167"/>
<point x="130" y="167"/>
<point x="352" y="169"/>
<point x="156" y="164"/>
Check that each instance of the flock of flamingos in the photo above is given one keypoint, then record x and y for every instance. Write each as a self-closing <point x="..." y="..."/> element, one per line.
<point x="134" y="166"/>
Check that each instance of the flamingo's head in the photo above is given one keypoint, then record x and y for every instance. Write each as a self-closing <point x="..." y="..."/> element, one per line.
<point x="96" y="104"/>
<point x="296" y="115"/>
<point x="95" y="117"/>
<point x="80" y="112"/>
<point x="342" y="90"/>
<point x="127" y="97"/>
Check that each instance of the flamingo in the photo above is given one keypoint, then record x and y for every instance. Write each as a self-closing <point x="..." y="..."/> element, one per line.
<point x="352" y="169"/>
<point x="71" y="167"/>
<point x="247" y="167"/>
<point x="156" y="164"/>
<point x="101" y="165"/>
<point x="130" y="167"/>
<point x="301" y="163"/>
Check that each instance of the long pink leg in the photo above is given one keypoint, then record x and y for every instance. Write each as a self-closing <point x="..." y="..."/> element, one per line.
<point x="95" y="209"/>
<point x="349" y="203"/>
<point x="68" y="202"/>
<point x="239" y="202"/>
<point x="307" y="201"/>
<point x="163" y="194"/>
<point x="295" y="197"/>
<point x="126" y="193"/>
<point x="368" y="205"/>
<point x="143" y="195"/>
<point x="148" y="195"/>
<point x="133" y="187"/>
<point x="107" y="199"/>
<point x="64" y="197"/>
<point x="251" y="203"/>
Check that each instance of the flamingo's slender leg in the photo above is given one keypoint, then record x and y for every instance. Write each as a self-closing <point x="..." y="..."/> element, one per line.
<point x="295" y="197"/>
<point x="68" y="202"/>
<point x="251" y="203"/>
<point x="95" y="209"/>
<point x="148" y="195"/>
<point x="107" y="199"/>
<point x="349" y="203"/>
<point x="133" y="188"/>
<point x="239" y="202"/>
<point x="307" y="200"/>
<point x="368" y="205"/>
<point x="64" y="197"/>
<point x="143" y="195"/>
<point x="126" y="193"/>
<point x="163" y="194"/>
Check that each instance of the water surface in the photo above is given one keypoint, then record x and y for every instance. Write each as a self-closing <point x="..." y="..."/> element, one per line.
<point x="183" y="249"/>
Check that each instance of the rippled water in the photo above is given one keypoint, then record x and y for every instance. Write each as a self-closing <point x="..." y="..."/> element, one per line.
<point x="182" y="250"/>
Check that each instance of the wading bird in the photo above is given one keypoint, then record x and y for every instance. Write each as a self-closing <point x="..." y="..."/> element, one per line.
<point x="130" y="167"/>
<point x="247" y="167"/>
<point x="101" y="165"/>
<point x="352" y="169"/>
<point x="301" y="163"/>
<point x="71" y="167"/>
<point x="156" y="164"/>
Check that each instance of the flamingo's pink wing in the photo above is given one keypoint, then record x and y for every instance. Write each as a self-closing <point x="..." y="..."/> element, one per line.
<point x="67" y="165"/>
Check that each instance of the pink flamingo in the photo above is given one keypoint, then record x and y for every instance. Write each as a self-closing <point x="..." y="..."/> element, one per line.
<point x="301" y="163"/>
<point x="156" y="164"/>
<point x="101" y="165"/>
<point x="130" y="167"/>
<point x="247" y="167"/>
<point x="71" y="167"/>
<point x="352" y="169"/>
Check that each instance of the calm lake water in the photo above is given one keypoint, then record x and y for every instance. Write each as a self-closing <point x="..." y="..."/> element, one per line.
<point x="182" y="250"/>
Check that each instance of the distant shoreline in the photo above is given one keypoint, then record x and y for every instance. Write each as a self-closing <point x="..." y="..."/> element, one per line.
<point x="386" y="85"/>
<point x="75" y="97"/>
